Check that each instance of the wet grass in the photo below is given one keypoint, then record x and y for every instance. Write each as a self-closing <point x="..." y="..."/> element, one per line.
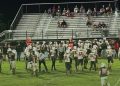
<point x="56" y="78"/>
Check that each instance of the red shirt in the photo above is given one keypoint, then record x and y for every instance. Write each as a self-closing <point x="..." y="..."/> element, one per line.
<point x="116" y="45"/>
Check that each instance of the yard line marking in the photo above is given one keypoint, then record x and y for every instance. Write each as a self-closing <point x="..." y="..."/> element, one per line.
<point x="117" y="82"/>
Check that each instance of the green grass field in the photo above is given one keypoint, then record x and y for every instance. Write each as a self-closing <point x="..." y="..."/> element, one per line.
<point x="56" y="78"/>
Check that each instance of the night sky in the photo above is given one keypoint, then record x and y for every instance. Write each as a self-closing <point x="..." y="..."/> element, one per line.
<point x="9" y="8"/>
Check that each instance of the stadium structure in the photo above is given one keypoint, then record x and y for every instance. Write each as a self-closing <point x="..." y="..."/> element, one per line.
<point x="33" y="21"/>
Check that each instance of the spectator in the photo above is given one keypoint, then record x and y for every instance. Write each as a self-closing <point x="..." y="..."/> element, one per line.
<point x="49" y="11"/>
<point x="96" y="25"/>
<point x="53" y="11"/>
<point x="102" y="10"/>
<point x="103" y="25"/>
<point x="58" y="11"/>
<point x="89" y="23"/>
<point x="63" y="24"/>
<point x="82" y="9"/>
<point x="108" y="10"/>
<point x="59" y="24"/>
<point x="94" y="12"/>
<point x="76" y="10"/>
<point x="64" y="12"/>
<point x="68" y="13"/>
<point x="89" y="12"/>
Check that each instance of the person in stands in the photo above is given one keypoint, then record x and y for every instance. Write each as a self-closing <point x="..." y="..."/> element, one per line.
<point x="102" y="10"/>
<point x="103" y="73"/>
<point x="82" y="10"/>
<point x="63" y="24"/>
<point x="49" y="11"/>
<point x="59" y="24"/>
<point x="89" y="12"/>
<point x="64" y="12"/>
<point x="76" y="10"/>
<point x="53" y="11"/>
<point x="68" y="12"/>
<point x="94" y="13"/>
<point x="108" y="10"/>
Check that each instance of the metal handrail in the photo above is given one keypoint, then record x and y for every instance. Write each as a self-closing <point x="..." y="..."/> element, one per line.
<point x="11" y="26"/>
<point x="70" y="2"/>
<point x="3" y="33"/>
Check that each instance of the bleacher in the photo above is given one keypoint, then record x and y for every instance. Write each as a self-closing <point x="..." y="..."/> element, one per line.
<point x="26" y="26"/>
<point x="74" y="25"/>
<point x="41" y="25"/>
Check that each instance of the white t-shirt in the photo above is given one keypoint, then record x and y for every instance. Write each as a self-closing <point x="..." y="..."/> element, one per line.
<point x="109" y="52"/>
<point x="41" y="56"/>
<point x="80" y="57"/>
<point x="92" y="57"/>
<point x="67" y="57"/>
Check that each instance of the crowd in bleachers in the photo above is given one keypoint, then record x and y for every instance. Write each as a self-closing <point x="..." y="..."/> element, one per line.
<point x="57" y="11"/>
<point x="62" y="24"/>
<point x="81" y="52"/>
<point x="103" y="11"/>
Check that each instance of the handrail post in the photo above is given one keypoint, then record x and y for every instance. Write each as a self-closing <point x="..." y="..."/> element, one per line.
<point x="39" y="8"/>
<point x="115" y="4"/>
<point x="25" y="8"/>
<point x="57" y="34"/>
<point x="17" y="17"/>
<point x="42" y="34"/>
<point x="26" y="34"/>
<point x="72" y="33"/>
<point x="87" y="33"/>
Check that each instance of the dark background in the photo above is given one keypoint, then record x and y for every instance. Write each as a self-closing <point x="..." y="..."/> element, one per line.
<point x="9" y="8"/>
